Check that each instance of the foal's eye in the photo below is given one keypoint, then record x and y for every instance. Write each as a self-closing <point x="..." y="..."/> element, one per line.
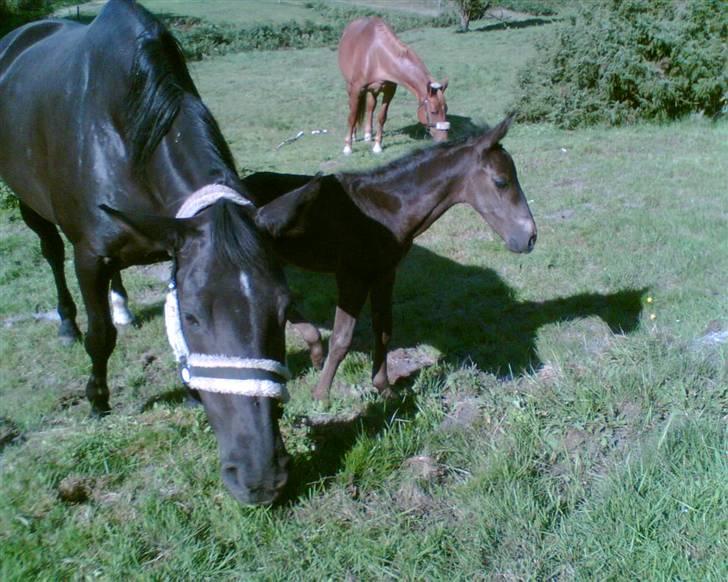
<point x="191" y="319"/>
<point x="500" y="183"/>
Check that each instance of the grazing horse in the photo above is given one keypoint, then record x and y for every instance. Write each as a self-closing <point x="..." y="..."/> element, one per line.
<point x="373" y="61"/>
<point x="103" y="134"/>
<point x="360" y="225"/>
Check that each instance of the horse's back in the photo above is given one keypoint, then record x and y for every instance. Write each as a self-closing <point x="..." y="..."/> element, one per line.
<point x="366" y="45"/>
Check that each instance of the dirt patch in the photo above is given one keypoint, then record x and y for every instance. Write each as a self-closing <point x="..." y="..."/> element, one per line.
<point x="463" y="413"/>
<point x="403" y="363"/>
<point x="76" y="489"/>
<point x="9" y="432"/>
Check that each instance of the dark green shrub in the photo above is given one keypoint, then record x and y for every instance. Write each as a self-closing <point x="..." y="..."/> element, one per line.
<point x="538" y="7"/>
<point x="625" y="60"/>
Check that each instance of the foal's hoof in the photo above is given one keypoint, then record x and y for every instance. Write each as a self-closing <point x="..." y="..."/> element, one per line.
<point x="100" y="410"/>
<point x="68" y="333"/>
<point x="347" y="150"/>
<point x="389" y="395"/>
<point x="377" y="149"/>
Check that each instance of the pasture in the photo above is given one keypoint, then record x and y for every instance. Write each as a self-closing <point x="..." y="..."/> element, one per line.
<point x="563" y="413"/>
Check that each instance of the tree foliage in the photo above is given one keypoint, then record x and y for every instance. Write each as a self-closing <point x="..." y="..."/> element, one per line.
<point x="625" y="60"/>
<point x="470" y="10"/>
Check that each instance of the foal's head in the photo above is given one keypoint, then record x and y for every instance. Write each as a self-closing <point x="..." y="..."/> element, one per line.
<point x="432" y="111"/>
<point x="491" y="187"/>
<point x="225" y="318"/>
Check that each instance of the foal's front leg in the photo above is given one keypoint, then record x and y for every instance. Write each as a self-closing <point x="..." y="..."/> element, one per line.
<point x="94" y="276"/>
<point x="352" y="294"/>
<point x="381" y="298"/>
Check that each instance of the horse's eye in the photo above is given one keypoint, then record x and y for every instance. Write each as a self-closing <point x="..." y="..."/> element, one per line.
<point x="191" y="319"/>
<point x="500" y="183"/>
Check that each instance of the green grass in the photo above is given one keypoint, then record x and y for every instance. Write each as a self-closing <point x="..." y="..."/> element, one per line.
<point x="565" y="432"/>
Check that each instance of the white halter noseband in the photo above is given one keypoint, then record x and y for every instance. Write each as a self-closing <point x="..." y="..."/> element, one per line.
<point x="219" y="373"/>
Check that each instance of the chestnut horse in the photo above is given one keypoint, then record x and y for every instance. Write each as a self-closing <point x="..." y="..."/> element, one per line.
<point x="373" y="61"/>
<point x="106" y="115"/>
<point x="360" y="225"/>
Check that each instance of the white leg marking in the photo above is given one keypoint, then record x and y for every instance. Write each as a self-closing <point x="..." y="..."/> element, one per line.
<point x="119" y="310"/>
<point x="377" y="149"/>
<point x="347" y="149"/>
<point x="367" y="137"/>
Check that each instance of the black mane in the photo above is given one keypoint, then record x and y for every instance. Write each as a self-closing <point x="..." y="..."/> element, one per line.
<point x="160" y="86"/>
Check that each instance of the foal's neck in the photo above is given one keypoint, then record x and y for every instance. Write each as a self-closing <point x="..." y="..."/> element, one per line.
<point x="409" y="199"/>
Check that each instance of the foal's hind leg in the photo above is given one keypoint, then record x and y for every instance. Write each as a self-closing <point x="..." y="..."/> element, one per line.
<point x="94" y="276"/>
<point x="381" y="298"/>
<point x="51" y="246"/>
<point x="120" y="313"/>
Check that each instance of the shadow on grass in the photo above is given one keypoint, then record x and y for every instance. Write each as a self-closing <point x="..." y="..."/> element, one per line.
<point x="459" y="127"/>
<point x="334" y="437"/>
<point x="513" y="24"/>
<point x="468" y="313"/>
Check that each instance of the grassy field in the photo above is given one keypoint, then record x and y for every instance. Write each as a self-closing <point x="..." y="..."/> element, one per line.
<point x="571" y="427"/>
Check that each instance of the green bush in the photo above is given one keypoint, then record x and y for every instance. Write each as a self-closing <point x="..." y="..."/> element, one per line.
<point x="200" y="39"/>
<point x="626" y="60"/>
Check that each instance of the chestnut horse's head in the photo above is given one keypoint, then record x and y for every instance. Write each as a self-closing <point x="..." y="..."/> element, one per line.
<point x="432" y="111"/>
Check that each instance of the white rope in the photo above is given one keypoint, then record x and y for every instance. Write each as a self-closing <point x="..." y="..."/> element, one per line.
<point x="207" y="196"/>
<point x="199" y="200"/>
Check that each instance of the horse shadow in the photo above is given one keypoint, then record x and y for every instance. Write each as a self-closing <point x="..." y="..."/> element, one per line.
<point x="459" y="127"/>
<point x="467" y="313"/>
<point x="511" y="24"/>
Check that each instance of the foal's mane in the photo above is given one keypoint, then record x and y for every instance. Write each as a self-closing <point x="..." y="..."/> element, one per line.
<point x="160" y="86"/>
<point x="412" y="161"/>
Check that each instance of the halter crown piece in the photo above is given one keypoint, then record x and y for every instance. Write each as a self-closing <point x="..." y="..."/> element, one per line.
<point x="219" y="373"/>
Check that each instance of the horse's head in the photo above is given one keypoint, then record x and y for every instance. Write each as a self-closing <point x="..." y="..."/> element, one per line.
<point x="491" y="187"/>
<point x="432" y="111"/>
<point x="225" y="317"/>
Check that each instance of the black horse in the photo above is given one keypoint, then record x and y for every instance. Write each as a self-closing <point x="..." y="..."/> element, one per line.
<point x="105" y="116"/>
<point x="360" y="225"/>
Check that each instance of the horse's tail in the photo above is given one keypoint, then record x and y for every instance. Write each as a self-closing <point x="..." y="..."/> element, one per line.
<point x="361" y="106"/>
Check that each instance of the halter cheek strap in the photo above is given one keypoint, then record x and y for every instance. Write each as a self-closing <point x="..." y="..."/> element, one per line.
<point x="219" y="373"/>
<point x="441" y="125"/>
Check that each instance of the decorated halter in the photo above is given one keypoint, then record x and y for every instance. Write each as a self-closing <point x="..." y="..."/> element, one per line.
<point x="440" y="125"/>
<point x="218" y="373"/>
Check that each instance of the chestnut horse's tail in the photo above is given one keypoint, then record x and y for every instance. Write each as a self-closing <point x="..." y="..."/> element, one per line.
<point x="361" y="106"/>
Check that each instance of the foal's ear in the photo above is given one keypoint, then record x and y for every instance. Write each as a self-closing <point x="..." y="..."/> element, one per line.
<point x="282" y="215"/>
<point x="497" y="133"/>
<point x="162" y="233"/>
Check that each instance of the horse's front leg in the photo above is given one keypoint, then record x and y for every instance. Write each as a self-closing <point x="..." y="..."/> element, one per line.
<point x="310" y="334"/>
<point x="388" y="92"/>
<point x="352" y="295"/>
<point x="355" y="96"/>
<point x="381" y="298"/>
<point x="94" y="275"/>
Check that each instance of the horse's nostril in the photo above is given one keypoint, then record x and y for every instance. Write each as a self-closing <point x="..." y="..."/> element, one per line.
<point x="531" y="242"/>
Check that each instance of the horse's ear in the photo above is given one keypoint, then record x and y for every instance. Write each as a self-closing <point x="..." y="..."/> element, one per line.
<point x="497" y="133"/>
<point x="162" y="233"/>
<point x="283" y="214"/>
<point x="444" y="83"/>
